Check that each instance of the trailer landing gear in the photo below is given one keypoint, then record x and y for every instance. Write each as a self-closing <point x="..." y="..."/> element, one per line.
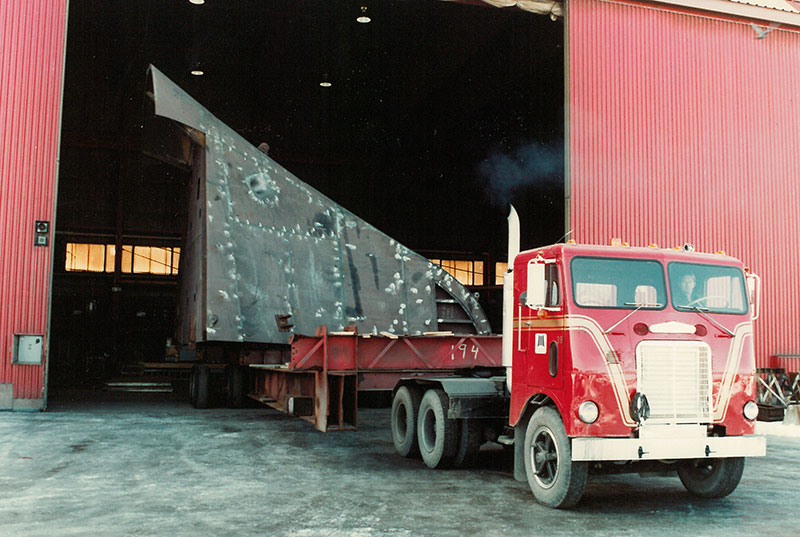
<point x="214" y="384"/>
<point x="198" y="386"/>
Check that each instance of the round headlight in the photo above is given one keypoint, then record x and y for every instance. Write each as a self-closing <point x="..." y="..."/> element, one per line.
<point x="750" y="410"/>
<point x="588" y="412"/>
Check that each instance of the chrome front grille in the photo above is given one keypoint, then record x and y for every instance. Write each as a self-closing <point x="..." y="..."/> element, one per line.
<point x="676" y="378"/>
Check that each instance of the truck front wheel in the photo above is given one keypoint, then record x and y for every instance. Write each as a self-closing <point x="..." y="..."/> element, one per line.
<point x="711" y="478"/>
<point x="555" y="480"/>
<point x="405" y="407"/>
<point x="437" y="435"/>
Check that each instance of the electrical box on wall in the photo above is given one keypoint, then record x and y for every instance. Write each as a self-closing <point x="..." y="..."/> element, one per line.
<point x="28" y="349"/>
<point x="42" y="228"/>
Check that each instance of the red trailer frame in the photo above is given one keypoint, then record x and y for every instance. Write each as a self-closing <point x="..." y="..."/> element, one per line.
<point x="321" y="381"/>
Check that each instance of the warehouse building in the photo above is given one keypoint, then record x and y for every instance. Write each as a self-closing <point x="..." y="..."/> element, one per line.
<point x="656" y="122"/>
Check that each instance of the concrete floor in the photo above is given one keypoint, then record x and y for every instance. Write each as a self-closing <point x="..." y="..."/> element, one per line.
<point x="152" y="465"/>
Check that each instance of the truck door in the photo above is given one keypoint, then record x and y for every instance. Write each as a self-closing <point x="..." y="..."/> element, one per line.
<point x="541" y="335"/>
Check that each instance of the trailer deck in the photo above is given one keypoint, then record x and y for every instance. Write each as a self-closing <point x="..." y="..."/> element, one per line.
<point x="321" y="381"/>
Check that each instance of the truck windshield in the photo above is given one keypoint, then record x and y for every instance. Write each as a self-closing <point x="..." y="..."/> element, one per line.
<point x="712" y="288"/>
<point x="599" y="282"/>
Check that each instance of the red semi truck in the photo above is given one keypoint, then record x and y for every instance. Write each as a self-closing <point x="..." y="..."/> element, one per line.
<point x="616" y="359"/>
<point x="613" y="358"/>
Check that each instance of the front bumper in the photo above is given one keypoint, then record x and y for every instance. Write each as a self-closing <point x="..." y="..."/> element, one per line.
<point x="633" y="449"/>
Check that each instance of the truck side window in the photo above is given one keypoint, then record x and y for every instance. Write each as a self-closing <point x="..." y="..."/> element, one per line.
<point x="553" y="289"/>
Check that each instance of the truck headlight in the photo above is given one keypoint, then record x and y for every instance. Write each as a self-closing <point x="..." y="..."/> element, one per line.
<point x="750" y="410"/>
<point x="588" y="412"/>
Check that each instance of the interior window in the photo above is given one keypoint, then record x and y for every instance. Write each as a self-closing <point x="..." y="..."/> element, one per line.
<point x="596" y="294"/>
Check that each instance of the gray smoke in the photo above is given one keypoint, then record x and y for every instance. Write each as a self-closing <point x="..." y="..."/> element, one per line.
<point x="531" y="164"/>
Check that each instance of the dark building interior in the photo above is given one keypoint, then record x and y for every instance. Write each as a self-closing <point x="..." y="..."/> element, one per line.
<point x="437" y="116"/>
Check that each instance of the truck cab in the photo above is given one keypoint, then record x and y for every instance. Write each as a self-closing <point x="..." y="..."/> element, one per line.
<point x="623" y="358"/>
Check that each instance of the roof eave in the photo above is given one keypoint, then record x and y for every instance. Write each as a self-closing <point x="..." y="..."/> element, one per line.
<point x="747" y="11"/>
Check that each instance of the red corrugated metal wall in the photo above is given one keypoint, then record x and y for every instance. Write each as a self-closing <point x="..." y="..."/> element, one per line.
<point x="31" y="67"/>
<point x="686" y="128"/>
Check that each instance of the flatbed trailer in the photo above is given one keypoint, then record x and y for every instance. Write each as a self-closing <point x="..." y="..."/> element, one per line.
<point x="321" y="381"/>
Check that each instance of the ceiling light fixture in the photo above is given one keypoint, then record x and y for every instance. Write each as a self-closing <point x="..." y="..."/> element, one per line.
<point x="196" y="69"/>
<point x="197" y="2"/>
<point x="325" y="83"/>
<point x="363" y="19"/>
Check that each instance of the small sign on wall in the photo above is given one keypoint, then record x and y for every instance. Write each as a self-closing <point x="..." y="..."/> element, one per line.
<point x="28" y="349"/>
<point x="541" y="344"/>
<point x="42" y="235"/>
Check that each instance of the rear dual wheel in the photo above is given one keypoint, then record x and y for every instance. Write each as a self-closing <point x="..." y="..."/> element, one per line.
<point x="424" y="429"/>
<point x="405" y="407"/>
<point x="437" y="435"/>
<point x="470" y="439"/>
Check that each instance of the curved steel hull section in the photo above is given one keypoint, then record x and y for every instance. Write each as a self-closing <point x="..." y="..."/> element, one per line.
<point x="262" y="243"/>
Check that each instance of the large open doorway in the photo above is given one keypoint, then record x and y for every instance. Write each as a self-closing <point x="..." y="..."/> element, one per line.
<point x="426" y="121"/>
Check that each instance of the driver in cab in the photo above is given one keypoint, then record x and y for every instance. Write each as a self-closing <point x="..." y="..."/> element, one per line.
<point x="687" y="287"/>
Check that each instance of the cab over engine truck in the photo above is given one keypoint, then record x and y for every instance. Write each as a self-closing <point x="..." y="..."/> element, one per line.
<point x="616" y="359"/>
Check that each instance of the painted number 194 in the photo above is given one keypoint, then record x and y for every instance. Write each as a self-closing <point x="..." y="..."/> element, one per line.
<point x="461" y="348"/>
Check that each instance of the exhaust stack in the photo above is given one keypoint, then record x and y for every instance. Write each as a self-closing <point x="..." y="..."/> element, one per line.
<point x="508" y="293"/>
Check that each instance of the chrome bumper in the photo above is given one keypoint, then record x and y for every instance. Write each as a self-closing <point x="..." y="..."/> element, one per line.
<point x="633" y="449"/>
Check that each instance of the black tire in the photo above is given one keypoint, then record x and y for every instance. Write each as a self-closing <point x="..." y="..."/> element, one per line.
<point x="193" y="386"/>
<point x="437" y="436"/>
<point x="470" y="439"/>
<point x="405" y="408"/>
<point x="711" y="478"/>
<point x="235" y="380"/>
<point x="555" y="480"/>
<point x="202" y="387"/>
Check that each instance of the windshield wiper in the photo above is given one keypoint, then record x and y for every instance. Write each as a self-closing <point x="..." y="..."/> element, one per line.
<point x="693" y="308"/>
<point x="702" y="312"/>
<point x="638" y="307"/>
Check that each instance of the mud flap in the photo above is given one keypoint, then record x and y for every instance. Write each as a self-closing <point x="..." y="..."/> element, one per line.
<point x="519" y="451"/>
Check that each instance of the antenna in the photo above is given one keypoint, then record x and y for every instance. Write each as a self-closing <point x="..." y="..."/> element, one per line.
<point x="565" y="235"/>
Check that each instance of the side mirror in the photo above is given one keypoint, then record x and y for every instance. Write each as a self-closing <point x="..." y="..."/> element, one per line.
<point x="536" y="291"/>
<point x="754" y="293"/>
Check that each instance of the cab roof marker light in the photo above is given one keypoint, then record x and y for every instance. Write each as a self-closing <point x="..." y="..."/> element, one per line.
<point x="721" y="252"/>
<point x="615" y="241"/>
<point x="652" y="245"/>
